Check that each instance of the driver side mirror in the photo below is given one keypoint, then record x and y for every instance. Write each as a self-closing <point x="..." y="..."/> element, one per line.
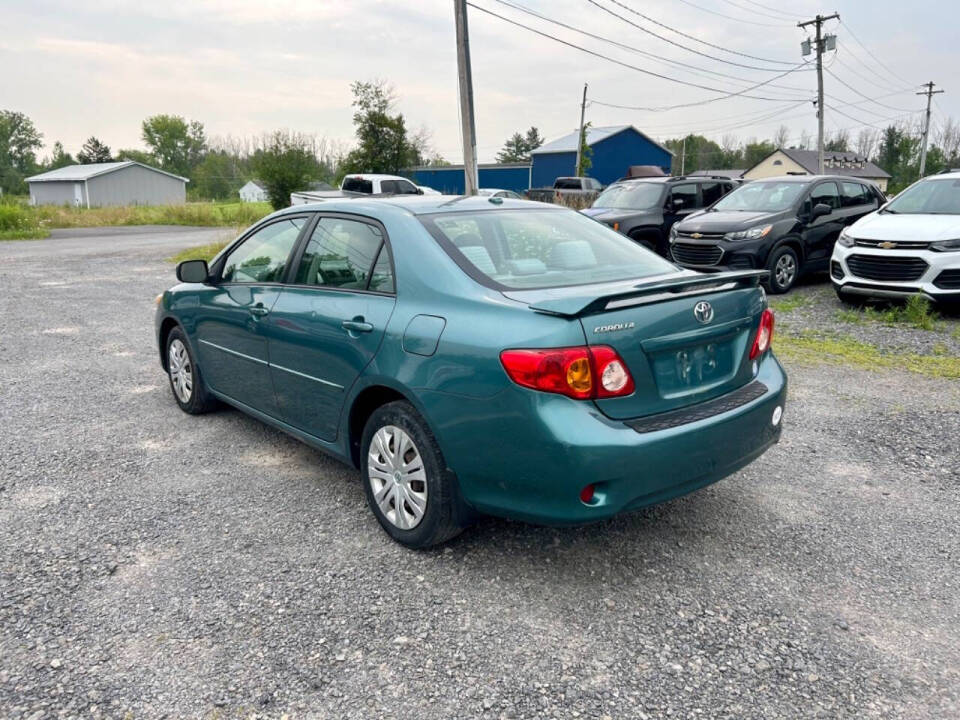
<point x="819" y="210"/>
<point x="193" y="271"/>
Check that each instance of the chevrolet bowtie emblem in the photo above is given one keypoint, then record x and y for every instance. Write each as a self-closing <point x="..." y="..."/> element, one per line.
<point x="887" y="245"/>
<point x="696" y="236"/>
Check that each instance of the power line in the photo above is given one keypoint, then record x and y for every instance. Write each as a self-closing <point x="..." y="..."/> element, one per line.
<point x="865" y="97"/>
<point x="879" y="62"/>
<point x="781" y="18"/>
<point x="860" y="75"/>
<point x="767" y="7"/>
<point x="655" y="58"/>
<point x="728" y="17"/>
<point x="724" y="93"/>
<point x="668" y="40"/>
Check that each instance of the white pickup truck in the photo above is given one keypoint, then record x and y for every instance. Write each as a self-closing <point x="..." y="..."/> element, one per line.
<point x="359" y="184"/>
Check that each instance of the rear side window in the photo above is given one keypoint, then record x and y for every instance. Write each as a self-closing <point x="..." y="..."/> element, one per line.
<point x="405" y="188"/>
<point x="262" y="257"/>
<point x="357" y="185"/>
<point x="517" y="249"/>
<point x="854" y="194"/>
<point x="340" y="254"/>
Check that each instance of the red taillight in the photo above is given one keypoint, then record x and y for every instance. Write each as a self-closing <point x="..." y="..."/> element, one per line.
<point x="761" y="343"/>
<point x="577" y="372"/>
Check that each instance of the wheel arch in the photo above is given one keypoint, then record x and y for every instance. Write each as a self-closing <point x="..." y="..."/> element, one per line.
<point x="166" y="327"/>
<point x="363" y="406"/>
<point x="791" y="241"/>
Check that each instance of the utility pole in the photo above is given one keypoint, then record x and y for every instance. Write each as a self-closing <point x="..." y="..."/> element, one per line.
<point x="929" y="92"/>
<point x="580" y="138"/>
<point x="819" y="20"/>
<point x="469" y="128"/>
<point x="683" y="155"/>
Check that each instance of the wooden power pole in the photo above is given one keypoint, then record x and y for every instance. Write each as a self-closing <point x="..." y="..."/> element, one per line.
<point x="929" y="92"/>
<point x="818" y="21"/>
<point x="468" y="126"/>
<point x="580" y="138"/>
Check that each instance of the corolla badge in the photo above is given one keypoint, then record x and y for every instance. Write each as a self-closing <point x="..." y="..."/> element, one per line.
<point x="703" y="312"/>
<point x="614" y="327"/>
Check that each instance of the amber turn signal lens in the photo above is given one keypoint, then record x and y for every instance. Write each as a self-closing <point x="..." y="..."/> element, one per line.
<point x="578" y="375"/>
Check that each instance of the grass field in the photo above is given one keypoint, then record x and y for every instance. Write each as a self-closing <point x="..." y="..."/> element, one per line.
<point x="19" y="221"/>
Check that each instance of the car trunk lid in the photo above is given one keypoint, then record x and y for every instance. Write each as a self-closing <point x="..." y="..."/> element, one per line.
<point x="679" y="354"/>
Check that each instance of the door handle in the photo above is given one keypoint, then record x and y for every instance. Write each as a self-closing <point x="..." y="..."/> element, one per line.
<point x="356" y="326"/>
<point x="259" y="309"/>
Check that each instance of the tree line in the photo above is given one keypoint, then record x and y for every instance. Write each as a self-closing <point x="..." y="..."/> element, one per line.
<point x="284" y="161"/>
<point x="895" y="149"/>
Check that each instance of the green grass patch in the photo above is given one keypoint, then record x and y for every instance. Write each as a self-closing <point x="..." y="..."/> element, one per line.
<point x="36" y="234"/>
<point x="201" y="252"/>
<point x="790" y="303"/>
<point x="812" y="348"/>
<point x="917" y="312"/>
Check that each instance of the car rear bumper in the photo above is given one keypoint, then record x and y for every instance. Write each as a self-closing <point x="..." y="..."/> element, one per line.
<point x="939" y="280"/>
<point x="532" y="453"/>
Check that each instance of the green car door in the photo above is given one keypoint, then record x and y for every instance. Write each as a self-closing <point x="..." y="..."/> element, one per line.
<point x="233" y="314"/>
<point x="329" y="321"/>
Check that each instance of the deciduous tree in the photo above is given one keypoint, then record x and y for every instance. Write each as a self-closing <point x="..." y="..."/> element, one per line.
<point x="177" y="145"/>
<point x="285" y="163"/>
<point x="93" y="151"/>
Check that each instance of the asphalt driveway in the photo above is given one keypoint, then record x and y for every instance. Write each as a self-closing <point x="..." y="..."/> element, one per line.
<point x="155" y="565"/>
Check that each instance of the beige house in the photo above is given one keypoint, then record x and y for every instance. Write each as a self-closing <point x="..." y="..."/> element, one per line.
<point x="790" y="161"/>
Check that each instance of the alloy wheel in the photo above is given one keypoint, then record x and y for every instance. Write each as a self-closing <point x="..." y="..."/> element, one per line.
<point x="785" y="270"/>
<point x="397" y="477"/>
<point x="181" y="370"/>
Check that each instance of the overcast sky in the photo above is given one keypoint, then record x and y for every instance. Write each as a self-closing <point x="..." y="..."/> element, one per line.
<point x="247" y="66"/>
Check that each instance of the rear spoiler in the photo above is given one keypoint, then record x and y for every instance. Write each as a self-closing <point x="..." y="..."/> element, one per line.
<point x="577" y="305"/>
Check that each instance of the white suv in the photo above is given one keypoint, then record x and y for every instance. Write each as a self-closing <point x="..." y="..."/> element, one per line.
<point x="910" y="245"/>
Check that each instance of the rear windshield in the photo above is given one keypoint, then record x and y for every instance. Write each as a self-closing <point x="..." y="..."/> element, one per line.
<point x="357" y="185"/>
<point x="761" y="196"/>
<point x="631" y="196"/>
<point x="930" y="197"/>
<point x="520" y="249"/>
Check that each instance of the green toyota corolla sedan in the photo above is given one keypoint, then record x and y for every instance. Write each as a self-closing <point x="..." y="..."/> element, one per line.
<point x="479" y="355"/>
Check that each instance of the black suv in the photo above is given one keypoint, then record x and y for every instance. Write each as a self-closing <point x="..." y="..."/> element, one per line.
<point x="646" y="208"/>
<point x="786" y="225"/>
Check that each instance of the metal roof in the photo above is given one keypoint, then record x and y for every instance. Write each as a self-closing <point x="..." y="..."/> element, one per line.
<point x="568" y="143"/>
<point x="73" y="173"/>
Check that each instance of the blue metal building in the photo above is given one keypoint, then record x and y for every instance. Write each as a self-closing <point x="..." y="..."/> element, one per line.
<point x="615" y="148"/>
<point x="449" y="179"/>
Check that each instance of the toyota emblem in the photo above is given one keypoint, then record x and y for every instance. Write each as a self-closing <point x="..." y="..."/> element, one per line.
<point x="703" y="312"/>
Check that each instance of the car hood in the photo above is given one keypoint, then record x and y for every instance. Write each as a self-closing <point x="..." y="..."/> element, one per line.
<point x="722" y="222"/>
<point x="925" y="228"/>
<point x="609" y="215"/>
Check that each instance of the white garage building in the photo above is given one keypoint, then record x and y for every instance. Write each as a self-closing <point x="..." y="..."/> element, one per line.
<point x="113" y="183"/>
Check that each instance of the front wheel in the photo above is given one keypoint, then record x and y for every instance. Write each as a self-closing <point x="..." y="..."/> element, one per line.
<point x="784" y="267"/>
<point x="185" y="380"/>
<point x="405" y="479"/>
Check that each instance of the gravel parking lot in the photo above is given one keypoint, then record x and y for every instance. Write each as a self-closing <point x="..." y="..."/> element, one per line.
<point x="159" y="565"/>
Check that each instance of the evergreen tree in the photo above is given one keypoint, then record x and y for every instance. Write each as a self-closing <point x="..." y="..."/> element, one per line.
<point x="93" y="151"/>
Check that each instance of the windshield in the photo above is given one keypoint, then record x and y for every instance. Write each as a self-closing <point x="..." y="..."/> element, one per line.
<point x="930" y="197"/>
<point x="762" y="197"/>
<point x="630" y="196"/>
<point x="519" y="249"/>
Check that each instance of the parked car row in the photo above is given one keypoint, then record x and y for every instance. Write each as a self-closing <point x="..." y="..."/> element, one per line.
<point x="798" y="224"/>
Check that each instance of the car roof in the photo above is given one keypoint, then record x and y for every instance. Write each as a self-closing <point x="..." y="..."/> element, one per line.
<point x="374" y="176"/>
<point x="811" y="178"/>
<point x="952" y="175"/>
<point x="418" y="204"/>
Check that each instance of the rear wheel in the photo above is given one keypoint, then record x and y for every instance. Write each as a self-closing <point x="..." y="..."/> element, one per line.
<point x="405" y="478"/>
<point x="185" y="381"/>
<point x="784" y="267"/>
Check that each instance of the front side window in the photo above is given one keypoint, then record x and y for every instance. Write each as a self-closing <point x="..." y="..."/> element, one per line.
<point x="934" y="197"/>
<point x="825" y="194"/>
<point x="631" y="196"/>
<point x="340" y="254"/>
<point x="405" y="188"/>
<point x="762" y="197"/>
<point x="519" y="249"/>
<point x="712" y="192"/>
<point x="262" y="257"/>
<point x="683" y="197"/>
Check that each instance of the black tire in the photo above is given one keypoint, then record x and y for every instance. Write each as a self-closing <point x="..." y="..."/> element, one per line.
<point x="199" y="400"/>
<point x="440" y="520"/>
<point x="857" y="301"/>
<point x="781" y="282"/>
